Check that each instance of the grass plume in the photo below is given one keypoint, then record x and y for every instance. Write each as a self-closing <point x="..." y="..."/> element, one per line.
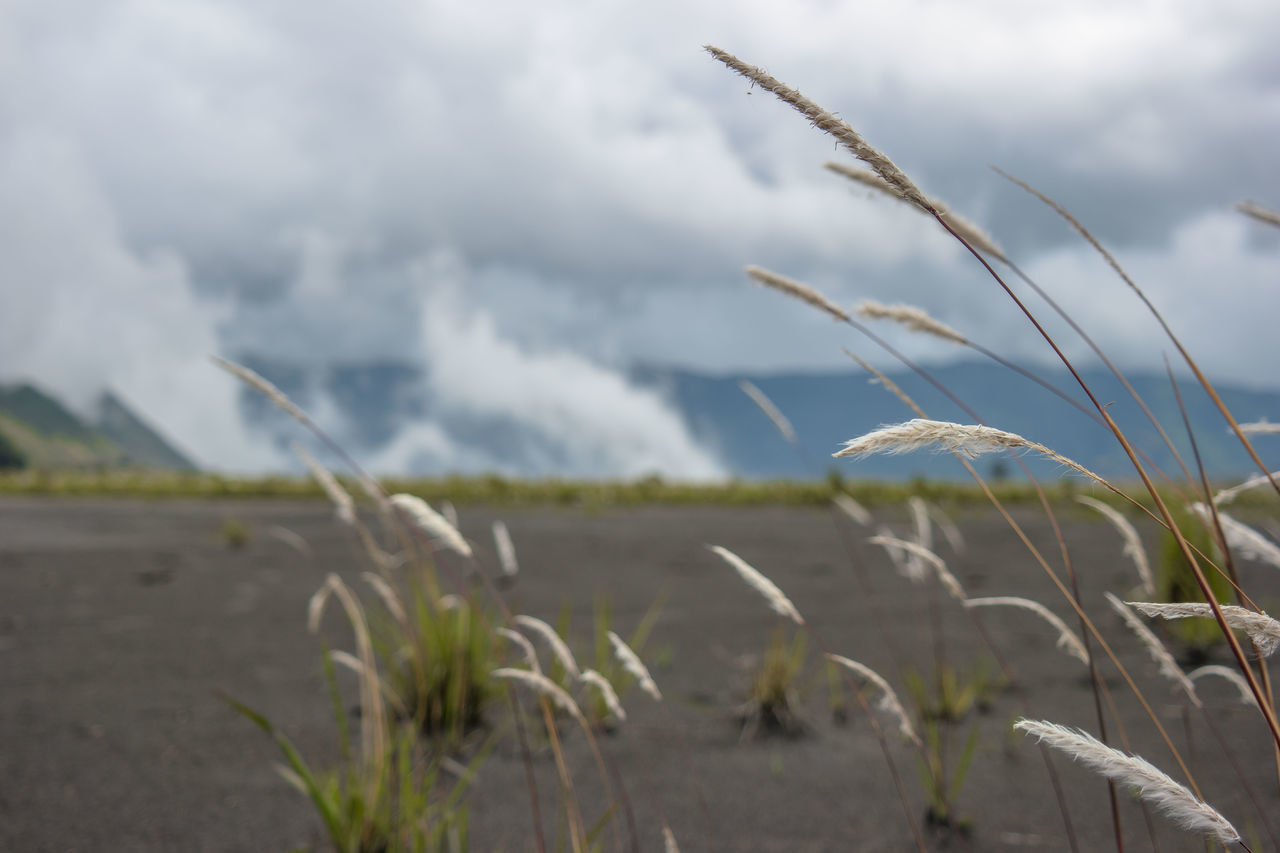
<point x="1154" y="786"/>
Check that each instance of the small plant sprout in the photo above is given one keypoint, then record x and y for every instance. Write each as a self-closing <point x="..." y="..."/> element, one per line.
<point x="761" y="584"/>
<point x="1170" y="798"/>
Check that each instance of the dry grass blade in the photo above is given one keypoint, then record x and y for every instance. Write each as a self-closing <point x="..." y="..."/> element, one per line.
<point x="852" y="508"/>
<point x="913" y="318"/>
<point x="558" y="646"/>
<point x="761" y="584"/>
<point x="971" y="440"/>
<point x="829" y="123"/>
<point x="917" y="550"/>
<point x="1132" y="542"/>
<point x="343" y="505"/>
<point x="353" y="663"/>
<point x="1261" y="628"/>
<point x="1259" y="213"/>
<point x="431" y="522"/>
<point x="888" y="701"/>
<point x="1246" y="695"/>
<point x="545" y="686"/>
<point x="1242" y="538"/>
<point x="1168" y="666"/>
<point x="610" y="696"/>
<point x="669" y="841"/>
<point x="772" y="412"/>
<point x="797" y="290"/>
<point x="1154" y="786"/>
<point x="1068" y="640"/>
<point x="530" y="656"/>
<point x="506" y="549"/>
<point x="632" y="664"/>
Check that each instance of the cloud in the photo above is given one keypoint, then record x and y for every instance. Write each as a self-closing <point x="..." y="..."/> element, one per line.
<point x="498" y="406"/>
<point x="85" y="313"/>
<point x="270" y="175"/>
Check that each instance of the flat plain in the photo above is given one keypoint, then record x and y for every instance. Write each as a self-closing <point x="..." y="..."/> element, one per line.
<point x="120" y="619"/>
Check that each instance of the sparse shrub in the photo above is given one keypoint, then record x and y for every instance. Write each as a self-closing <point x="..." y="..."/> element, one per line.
<point x="235" y="533"/>
<point x="771" y="707"/>
<point x="1176" y="583"/>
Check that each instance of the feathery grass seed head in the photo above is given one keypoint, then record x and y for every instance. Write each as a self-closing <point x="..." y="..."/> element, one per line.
<point x="632" y="664"/>
<point x="761" y="584"/>
<point x="1168" y="797"/>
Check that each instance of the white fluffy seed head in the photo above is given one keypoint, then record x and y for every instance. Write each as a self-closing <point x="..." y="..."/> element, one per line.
<point x="431" y="523"/>
<point x="888" y="701"/>
<point x="852" y="508"/>
<point x="911" y="317"/>
<point x="343" y="505"/>
<point x="1242" y="538"/>
<point x="1068" y="641"/>
<point x="543" y="685"/>
<point x="607" y="693"/>
<point x="1168" y="666"/>
<point x="1261" y="628"/>
<point x="969" y="439"/>
<point x="632" y="664"/>
<point x="557" y="645"/>
<point x="1168" y="797"/>
<point x="506" y="549"/>
<point x="761" y="584"/>
<point x="929" y="558"/>
<point x="796" y="290"/>
<point x="1246" y="695"/>
<point x="1132" y="542"/>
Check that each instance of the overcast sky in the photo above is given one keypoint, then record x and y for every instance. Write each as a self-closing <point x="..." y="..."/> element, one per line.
<point x="527" y="198"/>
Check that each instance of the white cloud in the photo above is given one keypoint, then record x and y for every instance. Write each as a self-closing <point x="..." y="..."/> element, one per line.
<point x="84" y="312"/>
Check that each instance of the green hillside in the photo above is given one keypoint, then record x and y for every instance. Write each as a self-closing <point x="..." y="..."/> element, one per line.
<point x="37" y="431"/>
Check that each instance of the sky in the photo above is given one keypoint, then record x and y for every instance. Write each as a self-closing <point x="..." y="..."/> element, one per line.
<point x="528" y="199"/>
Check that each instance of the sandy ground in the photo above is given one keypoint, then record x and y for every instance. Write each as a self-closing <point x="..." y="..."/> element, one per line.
<point x="119" y="619"/>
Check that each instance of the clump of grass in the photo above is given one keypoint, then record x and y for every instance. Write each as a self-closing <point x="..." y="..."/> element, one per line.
<point x="235" y="533"/>
<point x="771" y="706"/>
<point x="1175" y="582"/>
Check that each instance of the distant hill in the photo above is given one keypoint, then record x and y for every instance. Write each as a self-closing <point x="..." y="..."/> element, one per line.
<point x="378" y="400"/>
<point x="829" y="408"/>
<point x="38" y="431"/>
